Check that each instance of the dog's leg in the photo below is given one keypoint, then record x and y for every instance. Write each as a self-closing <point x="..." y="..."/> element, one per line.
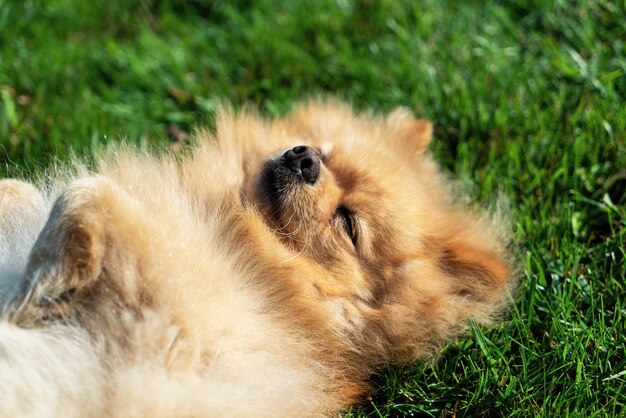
<point x="67" y="259"/>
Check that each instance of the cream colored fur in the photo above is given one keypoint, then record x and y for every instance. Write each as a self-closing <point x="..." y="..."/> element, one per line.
<point x="165" y="286"/>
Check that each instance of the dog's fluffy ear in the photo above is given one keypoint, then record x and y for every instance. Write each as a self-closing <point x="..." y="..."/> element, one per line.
<point x="411" y="134"/>
<point x="477" y="273"/>
<point x="461" y="275"/>
<point x="472" y="255"/>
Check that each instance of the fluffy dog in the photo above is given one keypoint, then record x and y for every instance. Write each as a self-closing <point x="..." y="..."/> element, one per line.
<point x="267" y="272"/>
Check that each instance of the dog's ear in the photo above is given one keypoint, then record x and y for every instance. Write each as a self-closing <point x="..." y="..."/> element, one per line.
<point x="412" y="135"/>
<point x="476" y="273"/>
<point x="462" y="274"/>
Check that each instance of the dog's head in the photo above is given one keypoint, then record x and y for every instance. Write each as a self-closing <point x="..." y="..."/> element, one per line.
<point x="360" y="198"/>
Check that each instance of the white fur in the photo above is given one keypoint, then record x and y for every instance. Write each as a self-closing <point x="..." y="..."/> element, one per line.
<point x="48" y="373"/>
<point x="22" y="215"/>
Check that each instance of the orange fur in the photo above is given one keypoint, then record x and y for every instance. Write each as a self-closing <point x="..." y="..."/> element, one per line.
<point x="195" y="293"/>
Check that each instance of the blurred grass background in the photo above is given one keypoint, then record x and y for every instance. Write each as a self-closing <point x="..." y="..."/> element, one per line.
<point x="528" y="97"/>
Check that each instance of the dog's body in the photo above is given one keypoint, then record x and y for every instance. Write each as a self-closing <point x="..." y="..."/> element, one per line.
<point x="267" y="273"/>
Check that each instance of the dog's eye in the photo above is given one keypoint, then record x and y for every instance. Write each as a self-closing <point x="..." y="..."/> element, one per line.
<point x="348" y="222"/>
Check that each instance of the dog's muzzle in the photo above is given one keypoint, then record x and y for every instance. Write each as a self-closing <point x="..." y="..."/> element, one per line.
<point x="303" y="162"/>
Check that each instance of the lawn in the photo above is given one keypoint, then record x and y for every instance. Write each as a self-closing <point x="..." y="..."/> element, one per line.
<point x="529" y="98"/>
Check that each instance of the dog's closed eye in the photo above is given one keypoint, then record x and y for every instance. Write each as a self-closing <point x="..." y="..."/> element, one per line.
<point x="348" y="222"/>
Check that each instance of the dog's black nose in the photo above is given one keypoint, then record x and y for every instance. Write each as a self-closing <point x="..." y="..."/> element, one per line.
<point x="303" y="161"/>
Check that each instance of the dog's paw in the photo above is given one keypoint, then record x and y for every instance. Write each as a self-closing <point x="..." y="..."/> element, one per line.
<point x="66" y="260"/>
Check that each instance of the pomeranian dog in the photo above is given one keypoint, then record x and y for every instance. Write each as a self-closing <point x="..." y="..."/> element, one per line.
<point x="266" y="272"/>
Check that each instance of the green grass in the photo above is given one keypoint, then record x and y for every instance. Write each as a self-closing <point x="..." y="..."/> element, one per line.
<point x="530" y="103"/>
